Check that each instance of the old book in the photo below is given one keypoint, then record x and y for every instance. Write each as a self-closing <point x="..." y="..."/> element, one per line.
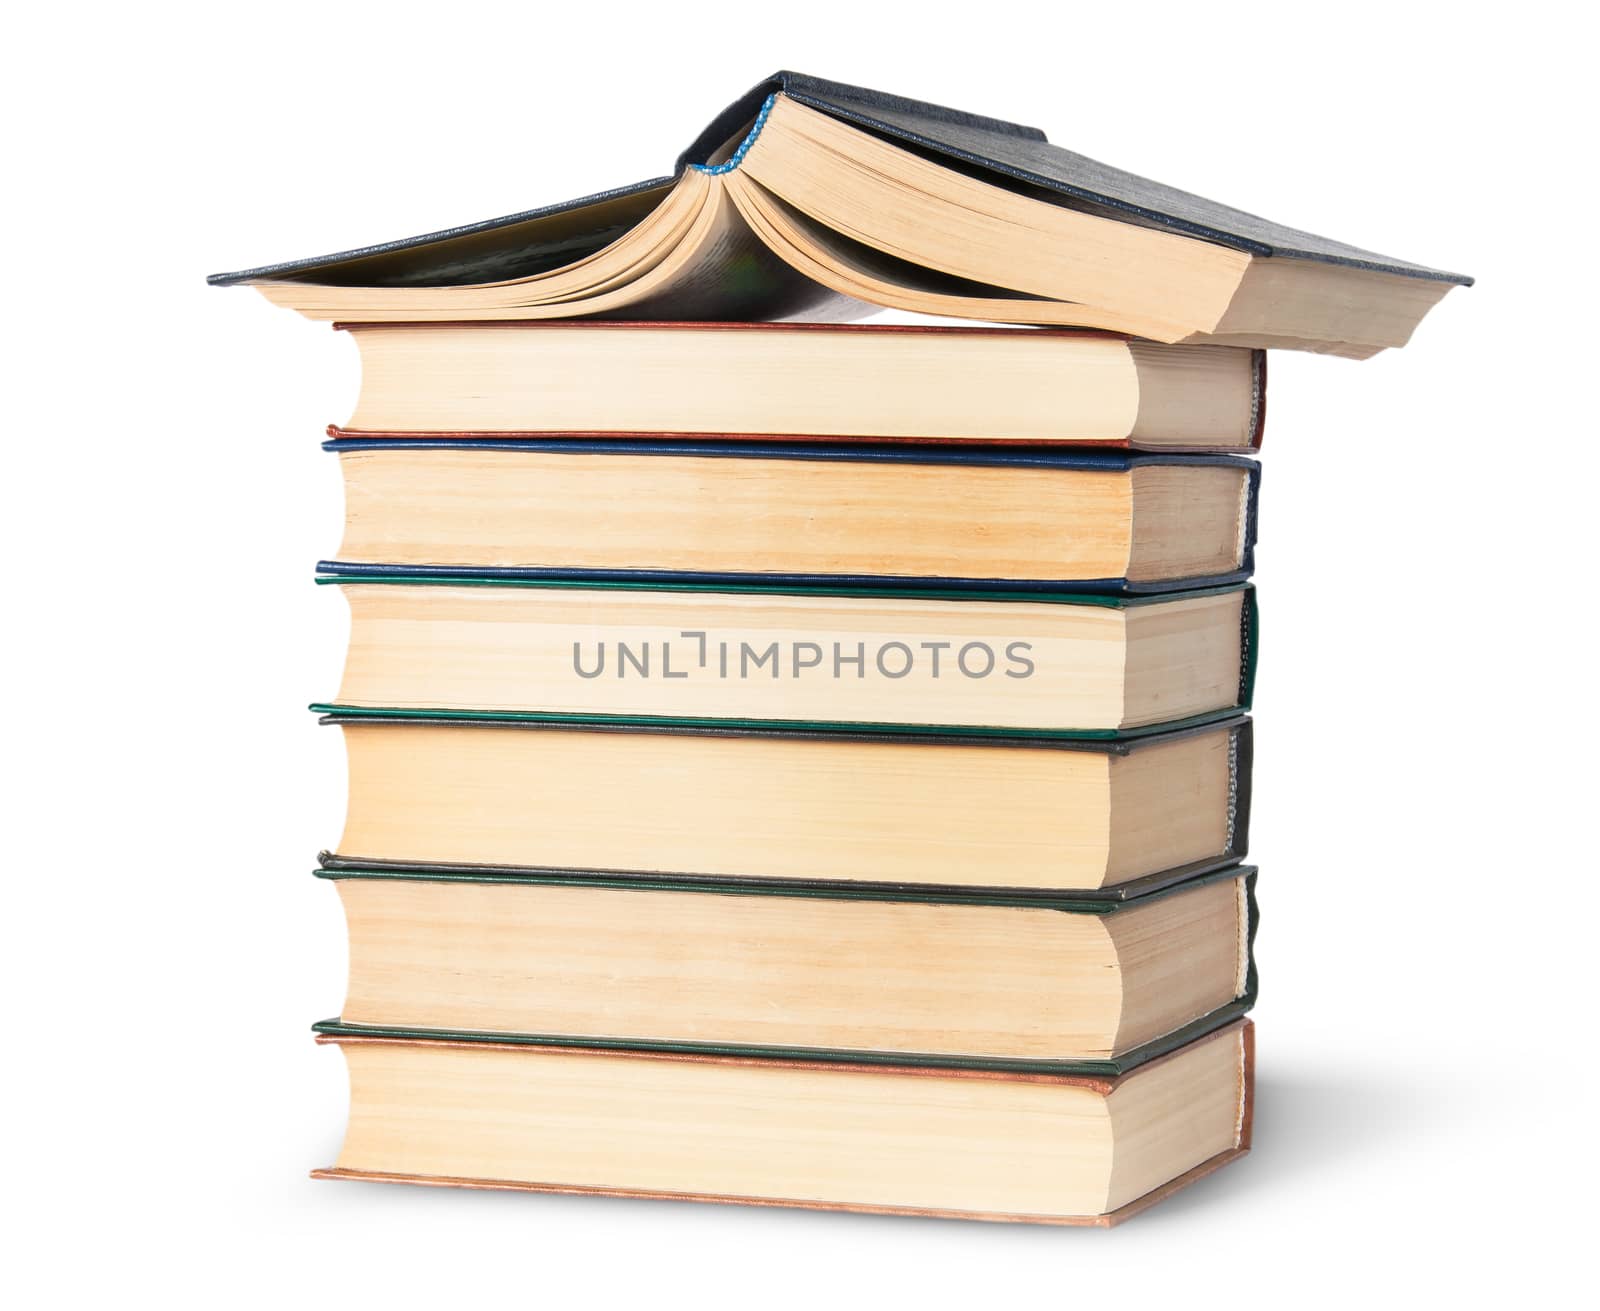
<point x="813" y="198"/>
<point x="856" y="382"/>
<point x="1047" y="663"/>
<point x="916" y="1140"/>
<point x="1110" y="817"/>
<point x="844" y="974"/>
<point x="795" y="514"/>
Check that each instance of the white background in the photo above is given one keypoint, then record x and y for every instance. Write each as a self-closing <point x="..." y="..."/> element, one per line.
<point x="1425" y="784"/>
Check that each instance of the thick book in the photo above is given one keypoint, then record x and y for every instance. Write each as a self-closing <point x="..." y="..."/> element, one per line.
<point x="678" y="651"/>
<point x="936" y="517"/>
<point x="804" y="381"/>
<point x="831" y="811"/>
<point x="815" y="198"/>
<point x="874" y="975"/>
<point x="910" y="1139"/>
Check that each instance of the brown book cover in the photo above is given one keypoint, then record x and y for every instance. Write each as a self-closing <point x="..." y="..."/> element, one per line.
<point x="1244" y="1030"/>
<point x="336" y="432"/>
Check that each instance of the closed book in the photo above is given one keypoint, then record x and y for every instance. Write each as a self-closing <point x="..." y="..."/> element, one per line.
<point x="1102" y="817"/>
<point x="926" y="517"/>
<point x="863" y="974"/>
<point x="804" y="382"/>
<point x="687" y="652"/>
<point x="906" y="1140"/>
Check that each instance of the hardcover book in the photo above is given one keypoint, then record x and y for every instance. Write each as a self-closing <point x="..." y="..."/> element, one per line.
<point x="904" y="1140"/>
<point x="872" y="975"/>
<point x="794" y="515"/>
<point x="1096" y="817"/>
<point x="680" y="652"/>
<point x="819" y="199"/>
<point x="805" y="381"/>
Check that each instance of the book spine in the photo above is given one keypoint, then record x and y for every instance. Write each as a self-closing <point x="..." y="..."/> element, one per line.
<point x="1258" y="400"/>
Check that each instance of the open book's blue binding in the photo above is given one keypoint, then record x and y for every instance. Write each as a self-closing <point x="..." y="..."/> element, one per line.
<point x="1006" y="154"/>
<point x="1008" y="457"/>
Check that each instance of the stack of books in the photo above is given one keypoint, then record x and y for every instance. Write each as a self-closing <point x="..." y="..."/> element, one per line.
<point x="803" y="762"/>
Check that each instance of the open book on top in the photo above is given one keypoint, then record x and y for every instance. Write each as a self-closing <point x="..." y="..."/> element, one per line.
<point x="813" y="200"/>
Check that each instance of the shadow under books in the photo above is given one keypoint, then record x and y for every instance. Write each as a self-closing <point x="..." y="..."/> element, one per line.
<point x="1306" y="1121"/>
